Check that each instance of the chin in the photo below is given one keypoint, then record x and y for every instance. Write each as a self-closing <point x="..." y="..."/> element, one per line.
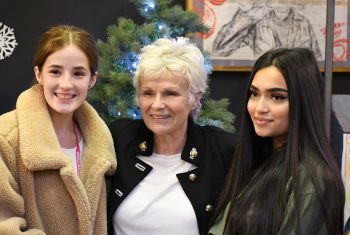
<point x="64" y="110"/>
<point x="262" y="134"/>
<point x="160" y="131"/>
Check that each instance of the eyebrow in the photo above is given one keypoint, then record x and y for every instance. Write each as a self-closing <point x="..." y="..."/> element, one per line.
<point x="59" y="67"/>
<point x="80" y="68"/>
<point x="270" y="90"/>
<point x="55" y="66"/>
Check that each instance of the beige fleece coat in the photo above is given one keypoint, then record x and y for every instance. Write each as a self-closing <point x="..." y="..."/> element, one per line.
<point x="40" y="193"/>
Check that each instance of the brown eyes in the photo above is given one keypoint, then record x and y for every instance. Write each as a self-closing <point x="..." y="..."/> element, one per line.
<point x="253" y="93"/>
<point x="57" y="72"/>
<point x="54" y="71"/>
<point x="79" y="73"/>
<point x="274" y="96"/>
<point x="279" y="97"/>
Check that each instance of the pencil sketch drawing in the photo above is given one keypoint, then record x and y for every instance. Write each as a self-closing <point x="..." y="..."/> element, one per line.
<point x="262" y="27"/>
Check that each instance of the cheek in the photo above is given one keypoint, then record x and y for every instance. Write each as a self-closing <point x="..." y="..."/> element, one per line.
<point x="284" y="117"/>
<point x="47" y="86"/>
<point x="143" y="105"/>
<point x="190" y="105"/>
<point x="287" y="121"/>
<point x="250" y="108"/>
<point x="84" y="87"/>
<point x="86" y="90"/>
<point x="286" y="112"/>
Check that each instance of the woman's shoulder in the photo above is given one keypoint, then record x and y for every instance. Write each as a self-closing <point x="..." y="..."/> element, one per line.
<point x="305" y="181"/>
<point x="311" y="175"/>
<point x="8" y="123"/>
<point x="8" y="138"/>
<point x="123" y="125"/>
<point x="219" y="134"/>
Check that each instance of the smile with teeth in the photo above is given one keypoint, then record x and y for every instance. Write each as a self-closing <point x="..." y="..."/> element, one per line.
<point x="65" y="96"/>
<point x="160" y="116"/>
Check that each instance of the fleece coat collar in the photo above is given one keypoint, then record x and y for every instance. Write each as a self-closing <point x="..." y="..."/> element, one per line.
<point x="42" y="151"/>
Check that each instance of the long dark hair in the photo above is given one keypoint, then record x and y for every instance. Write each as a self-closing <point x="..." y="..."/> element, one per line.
<point x="257" y="205"/>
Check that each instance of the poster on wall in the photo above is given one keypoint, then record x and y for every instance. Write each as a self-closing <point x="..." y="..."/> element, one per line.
<point x="341" y="106"/>
<point x="241" y="31"/>
<point x="346" y="173"/>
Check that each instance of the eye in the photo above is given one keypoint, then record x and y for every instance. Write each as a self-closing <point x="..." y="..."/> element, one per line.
<point x="79" y="73"/>
<point x="146" y="93"/>
<point x="253" y="93"/>
<point x="278" y="97"/>
<point x="171" y="93"/>
<point x="54" y="72"/>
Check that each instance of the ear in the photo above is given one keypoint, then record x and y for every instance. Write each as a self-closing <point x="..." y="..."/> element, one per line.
<point x="38" y="75"/>
<point x="197" y="99"/>
<point x="93" y="80"/>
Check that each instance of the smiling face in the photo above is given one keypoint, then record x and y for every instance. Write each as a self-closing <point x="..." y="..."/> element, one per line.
<point x="66" y="79"/>
<point x="165" y="106"/>
<point x="268" y="105"/>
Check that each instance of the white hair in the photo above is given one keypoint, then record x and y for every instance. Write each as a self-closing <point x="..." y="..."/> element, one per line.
<point x="177" y="56"/>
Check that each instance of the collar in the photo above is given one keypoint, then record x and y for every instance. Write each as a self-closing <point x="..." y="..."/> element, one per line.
<point x="39" y="146"/>
<point x="192" y="151"/>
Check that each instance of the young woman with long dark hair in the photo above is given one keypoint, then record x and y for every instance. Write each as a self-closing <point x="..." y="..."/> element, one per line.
<point x="284" y="178"/>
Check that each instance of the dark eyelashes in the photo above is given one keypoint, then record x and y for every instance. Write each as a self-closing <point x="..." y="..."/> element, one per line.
<point x="252" y="92"/>
<point x="54" y="71"/>
<point x="279" y="97"/>
<point x="273" y="96"/>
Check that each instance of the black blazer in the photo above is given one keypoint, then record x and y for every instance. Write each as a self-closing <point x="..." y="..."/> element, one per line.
<point x="212" y="150"/>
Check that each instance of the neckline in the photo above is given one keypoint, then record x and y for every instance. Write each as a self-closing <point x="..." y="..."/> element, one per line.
<point x="80" y="143"/>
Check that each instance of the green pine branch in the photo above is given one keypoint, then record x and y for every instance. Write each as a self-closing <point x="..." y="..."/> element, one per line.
<point x="114" y="93"/>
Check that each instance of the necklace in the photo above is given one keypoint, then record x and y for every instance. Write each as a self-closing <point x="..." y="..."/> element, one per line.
<point x="77" y="147"/>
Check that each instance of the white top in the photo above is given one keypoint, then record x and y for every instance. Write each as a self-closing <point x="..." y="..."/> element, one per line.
<point x="71" y="153"/>
<point x="158" y="205"/>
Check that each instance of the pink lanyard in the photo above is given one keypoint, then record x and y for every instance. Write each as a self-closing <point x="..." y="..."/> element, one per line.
<point x="77" y="148"/>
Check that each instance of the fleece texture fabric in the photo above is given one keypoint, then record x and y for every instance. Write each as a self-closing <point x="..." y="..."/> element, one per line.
<point x="40" y="191"/>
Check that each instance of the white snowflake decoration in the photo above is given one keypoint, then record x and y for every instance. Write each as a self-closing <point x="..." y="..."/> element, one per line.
<point x="7" y="41"/>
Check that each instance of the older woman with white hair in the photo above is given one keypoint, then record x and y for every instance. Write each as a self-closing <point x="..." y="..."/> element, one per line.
<point x="170" y="170"/>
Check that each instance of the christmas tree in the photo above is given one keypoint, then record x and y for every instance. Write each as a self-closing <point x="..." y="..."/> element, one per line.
<point x="119" y="56"/>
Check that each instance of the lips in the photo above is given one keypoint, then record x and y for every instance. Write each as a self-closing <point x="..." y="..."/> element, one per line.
<point x="64" y="96"/>
<point x="262" y="121"/>
<point x="160" y="117"/>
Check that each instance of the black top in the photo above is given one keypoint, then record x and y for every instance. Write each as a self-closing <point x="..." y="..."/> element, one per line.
<point x="214" y="148"/>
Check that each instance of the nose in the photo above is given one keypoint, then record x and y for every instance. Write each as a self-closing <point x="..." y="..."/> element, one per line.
<point x="158" y="102"/>
<point x="262" y="105"/>
<point x="66" y="82"/>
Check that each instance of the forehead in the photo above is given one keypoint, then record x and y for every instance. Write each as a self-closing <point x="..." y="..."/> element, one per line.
<point x="169" y="80"/>
<point x="269" y="77"/>
<point x="70" y="54"/>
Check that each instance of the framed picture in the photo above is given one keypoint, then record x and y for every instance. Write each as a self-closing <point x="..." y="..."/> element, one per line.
<point x="240" y="31"/>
